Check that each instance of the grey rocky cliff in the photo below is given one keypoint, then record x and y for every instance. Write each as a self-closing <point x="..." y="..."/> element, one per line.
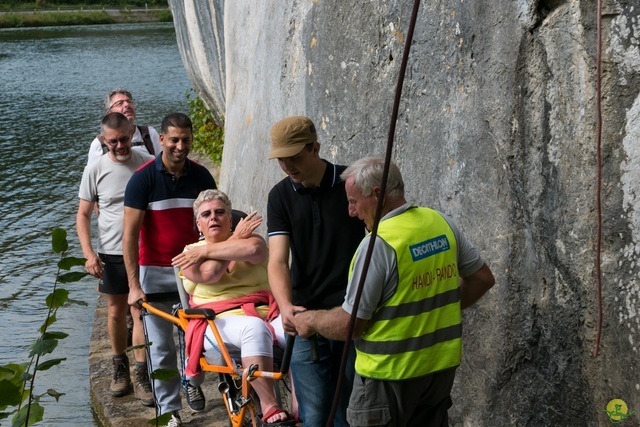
<point x="497" y="128"/>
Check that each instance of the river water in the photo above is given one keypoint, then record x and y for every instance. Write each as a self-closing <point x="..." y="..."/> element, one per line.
<point x="52" y="84"/>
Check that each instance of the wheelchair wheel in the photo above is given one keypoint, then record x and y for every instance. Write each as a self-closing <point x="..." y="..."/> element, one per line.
<point x="247" y="421"/>
<point x="282" y="389"/>
<point x="252" y="406"/>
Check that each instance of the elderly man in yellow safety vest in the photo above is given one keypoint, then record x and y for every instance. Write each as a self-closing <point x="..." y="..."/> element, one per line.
<point x="408" y="330"/>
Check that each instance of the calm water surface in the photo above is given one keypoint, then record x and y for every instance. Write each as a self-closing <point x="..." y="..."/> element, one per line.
<point x="52" y="84"/>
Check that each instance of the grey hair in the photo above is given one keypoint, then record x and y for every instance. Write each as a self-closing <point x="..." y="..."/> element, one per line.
<point x="119" y="91"/>
<point x="114" y="121"/>
<point x="367" y="174"/>
<point x="209" y="195"/>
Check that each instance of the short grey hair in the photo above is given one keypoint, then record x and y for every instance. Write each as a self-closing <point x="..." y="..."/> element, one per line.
<point x="119" y="91"/>
<point x="115" y="121"/>
<point x="367" y="174"/>
<point x="209" y="195"/>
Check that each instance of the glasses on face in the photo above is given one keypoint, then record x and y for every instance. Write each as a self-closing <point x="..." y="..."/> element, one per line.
<point x="113" y="142"/>
<point x="209" y="213"/>
<point x="120" y="103"/>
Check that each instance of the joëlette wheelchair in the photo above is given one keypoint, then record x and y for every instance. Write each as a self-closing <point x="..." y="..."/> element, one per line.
<point x="241" y="401"/>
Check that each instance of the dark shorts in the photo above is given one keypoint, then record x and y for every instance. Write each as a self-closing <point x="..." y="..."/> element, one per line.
<point x="114" y="276"/>
<point x="417" y="402"/>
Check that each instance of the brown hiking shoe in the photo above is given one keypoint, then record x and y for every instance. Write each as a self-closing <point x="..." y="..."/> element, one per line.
<point x="142" y="386"/>
<point x="121" y="382"/>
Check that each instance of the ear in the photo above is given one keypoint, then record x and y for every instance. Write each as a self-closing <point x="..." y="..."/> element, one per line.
<point x="197" y="221"/>
<point x="316" y="149"/>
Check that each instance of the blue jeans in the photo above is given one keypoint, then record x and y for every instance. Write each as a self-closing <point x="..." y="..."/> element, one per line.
<point x="315" y="382"/>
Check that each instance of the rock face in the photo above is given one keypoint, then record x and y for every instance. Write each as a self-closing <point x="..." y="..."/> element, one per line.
<point x="497" y="128"/>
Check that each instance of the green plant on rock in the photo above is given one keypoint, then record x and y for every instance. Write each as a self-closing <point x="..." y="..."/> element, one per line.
<point x="17" y="380"/>
<point x="208" y="137"/>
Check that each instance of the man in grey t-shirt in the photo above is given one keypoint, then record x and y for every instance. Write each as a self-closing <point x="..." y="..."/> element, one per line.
<point x="103" y="183"/>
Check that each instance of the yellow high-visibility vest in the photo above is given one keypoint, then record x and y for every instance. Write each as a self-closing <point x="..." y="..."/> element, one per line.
<point x="418" y="330"/>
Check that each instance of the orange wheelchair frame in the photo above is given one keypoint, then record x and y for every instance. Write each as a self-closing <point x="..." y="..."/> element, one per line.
<point x="244" y="408"/>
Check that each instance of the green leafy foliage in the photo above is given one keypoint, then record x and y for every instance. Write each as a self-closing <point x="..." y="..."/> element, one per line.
<point x="69" y="262"/>
<point x="82" y="12"/>
<point x="161" y="420"/>
<point x="12" y="372"/>
<point x="51" y="392"/>
<point x="72" y="276"/>
<point x="58" y="297"/>
<point x="48" y="322"/>
<point x="29" y="414"/>
<point x="55" y="335"/>
<point x="59" y="240"/>
<point x="135" y="347"/>
<point x="208" y="137"/>
<point x="37" y="4"/>
<point x="48" y="364"/>
<point x="77" y="302"/>
<point x="17" y="381"/>
<point x="42" y="347"/>
<point x="9" y="393"/>
<point x="164" y="374"/>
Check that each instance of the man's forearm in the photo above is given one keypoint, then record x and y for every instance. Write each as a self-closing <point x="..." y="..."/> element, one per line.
<point x="83" y="229"/>
<point x="280" y="283"/>
<point x="472" y="288"/>
<point x="332" y="324"/>
<point x="132" y="223"/>
<point x="130" y="256"/>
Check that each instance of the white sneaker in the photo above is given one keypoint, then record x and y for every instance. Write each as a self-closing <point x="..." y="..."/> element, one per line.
<point x="175" y="420"/>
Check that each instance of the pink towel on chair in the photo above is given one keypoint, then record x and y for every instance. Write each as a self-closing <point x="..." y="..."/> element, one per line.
<point x="194" y="335"/>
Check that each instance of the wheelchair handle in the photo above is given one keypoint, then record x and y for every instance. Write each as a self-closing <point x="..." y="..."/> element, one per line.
<point x="313" y="340"/>
<point x="286" y="357"/>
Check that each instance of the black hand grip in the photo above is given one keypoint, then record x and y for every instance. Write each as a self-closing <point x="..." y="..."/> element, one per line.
<point x="207" y="313"/>
<point x="286" y="357"/>
<point x="314" y="347"/>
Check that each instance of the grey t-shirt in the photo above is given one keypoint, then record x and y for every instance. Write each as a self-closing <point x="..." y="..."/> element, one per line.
<point x="382" y="277"/>
<point x="104" y="181"/>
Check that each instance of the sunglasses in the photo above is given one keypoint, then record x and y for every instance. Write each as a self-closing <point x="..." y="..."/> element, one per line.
<point x="113" y="142"/>
<point x="120" y="103"/>
<point x="209" y="213"/>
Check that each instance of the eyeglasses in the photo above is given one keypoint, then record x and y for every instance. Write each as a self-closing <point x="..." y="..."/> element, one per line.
<point x="122" y="140"/>
<point x="120" y="103"/>
<point x="209" y="213"/>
